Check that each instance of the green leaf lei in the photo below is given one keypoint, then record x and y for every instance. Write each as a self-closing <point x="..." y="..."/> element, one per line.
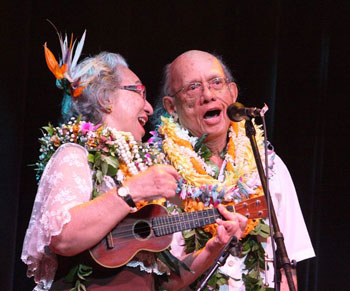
<point x="196" y="239"/>
<point x="103" y="158"/>
<point x="104" y="155"/>
<point x="252" y="248"/>
<point x="104" y="151"/>
<point x="77" y="275"/>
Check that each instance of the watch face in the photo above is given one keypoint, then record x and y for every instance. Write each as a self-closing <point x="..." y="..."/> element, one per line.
<point x="123" y="191"/>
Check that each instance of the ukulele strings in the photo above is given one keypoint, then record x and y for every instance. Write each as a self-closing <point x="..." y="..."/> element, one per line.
<point x="125" y="231"/>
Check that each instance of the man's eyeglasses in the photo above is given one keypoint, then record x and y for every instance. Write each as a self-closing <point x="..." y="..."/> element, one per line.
<point x="195" y="89"/>
<point x="140" y="89"/>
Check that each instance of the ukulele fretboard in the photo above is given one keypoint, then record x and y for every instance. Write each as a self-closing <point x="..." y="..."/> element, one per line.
<point x="164" y="225"/>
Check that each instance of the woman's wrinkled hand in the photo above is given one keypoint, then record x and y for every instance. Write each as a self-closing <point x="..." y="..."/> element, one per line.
<point x="158" y="181"/>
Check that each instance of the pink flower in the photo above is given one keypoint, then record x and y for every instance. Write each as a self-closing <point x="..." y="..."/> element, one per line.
<point x="86" y="127"/>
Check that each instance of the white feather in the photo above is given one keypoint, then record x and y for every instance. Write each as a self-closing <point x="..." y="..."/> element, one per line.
<point x="78" y="50"/>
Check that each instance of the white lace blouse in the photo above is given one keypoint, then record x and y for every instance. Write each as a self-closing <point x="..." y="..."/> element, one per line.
<point x="66" y="182"/>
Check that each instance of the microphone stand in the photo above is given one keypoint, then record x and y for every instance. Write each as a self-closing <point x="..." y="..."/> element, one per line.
<point x="232" y="247"/>
<point x="281" y="253"/>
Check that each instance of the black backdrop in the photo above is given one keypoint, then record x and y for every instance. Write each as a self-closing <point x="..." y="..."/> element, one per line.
<point x="293" y="55"/>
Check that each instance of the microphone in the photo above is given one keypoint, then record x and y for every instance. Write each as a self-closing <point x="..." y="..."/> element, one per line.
<point x="237" y="112"/>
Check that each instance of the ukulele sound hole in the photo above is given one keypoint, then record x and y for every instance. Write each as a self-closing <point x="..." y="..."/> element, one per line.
<point x="141" y="230"/>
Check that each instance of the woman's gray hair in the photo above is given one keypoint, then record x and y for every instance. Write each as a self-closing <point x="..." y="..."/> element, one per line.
<point x="100" y="75"/>
<point x="159" y="109"/>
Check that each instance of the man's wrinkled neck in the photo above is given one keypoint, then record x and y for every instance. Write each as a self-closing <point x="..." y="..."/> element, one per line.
<point x="216" y="144"/>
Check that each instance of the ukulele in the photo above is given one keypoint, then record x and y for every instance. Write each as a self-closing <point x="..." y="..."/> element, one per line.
<point x="151" y="229"/>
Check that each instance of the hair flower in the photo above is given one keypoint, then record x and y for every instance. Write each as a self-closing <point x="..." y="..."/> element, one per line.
<point x="64" y="69"/>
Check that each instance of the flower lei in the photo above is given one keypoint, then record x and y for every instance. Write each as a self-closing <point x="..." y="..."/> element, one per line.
<point x="203" y="187"/>
<point x="110" y="153"/>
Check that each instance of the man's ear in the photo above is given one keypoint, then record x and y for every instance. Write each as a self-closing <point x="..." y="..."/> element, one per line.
<point x="169" y="105"/>
<point x="233" y="91"/>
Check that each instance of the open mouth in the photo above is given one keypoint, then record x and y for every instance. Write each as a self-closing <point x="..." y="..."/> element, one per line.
<point x="142" y="121"/>
<point x="212" y="114"/>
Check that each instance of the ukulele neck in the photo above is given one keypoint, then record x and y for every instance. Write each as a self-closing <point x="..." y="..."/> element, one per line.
<point x="164" y="225"/>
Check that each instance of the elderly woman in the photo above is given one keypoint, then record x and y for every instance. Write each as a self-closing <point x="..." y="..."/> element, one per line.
<point x="95" y="172"/>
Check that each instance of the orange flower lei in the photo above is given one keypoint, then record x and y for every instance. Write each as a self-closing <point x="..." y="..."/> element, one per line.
<point x="179" y="150"/>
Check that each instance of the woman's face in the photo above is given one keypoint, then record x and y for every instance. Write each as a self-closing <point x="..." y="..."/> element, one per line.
<point x="129" y="109"/>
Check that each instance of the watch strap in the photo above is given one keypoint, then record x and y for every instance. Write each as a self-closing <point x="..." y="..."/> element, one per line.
<point x="127" y="198"/>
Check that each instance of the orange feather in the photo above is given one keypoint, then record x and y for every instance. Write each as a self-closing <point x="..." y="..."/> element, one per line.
<point x="53" y="64"/>
<point x="50" y="60"/>
<point x="77" y="92"/>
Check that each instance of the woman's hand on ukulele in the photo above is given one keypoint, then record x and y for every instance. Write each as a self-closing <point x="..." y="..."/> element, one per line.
<point x="158" y="181"/>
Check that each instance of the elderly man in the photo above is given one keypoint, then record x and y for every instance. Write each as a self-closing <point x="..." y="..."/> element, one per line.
<point x="214" y="158"/>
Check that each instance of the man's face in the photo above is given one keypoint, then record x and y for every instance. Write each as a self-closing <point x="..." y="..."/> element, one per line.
<point x="204" y="112"/>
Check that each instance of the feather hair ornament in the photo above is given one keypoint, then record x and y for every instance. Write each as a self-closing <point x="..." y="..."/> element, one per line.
<point x="64" y="69"/>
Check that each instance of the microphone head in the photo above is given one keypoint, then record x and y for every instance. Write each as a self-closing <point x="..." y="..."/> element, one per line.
<point x="234" y="112"/>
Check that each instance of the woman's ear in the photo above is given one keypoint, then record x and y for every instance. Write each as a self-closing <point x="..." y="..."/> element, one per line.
<point x="106" y="105"/>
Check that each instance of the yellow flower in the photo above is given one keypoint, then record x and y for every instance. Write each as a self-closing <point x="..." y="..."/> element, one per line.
<point x="251" y="224"/>
<point x="124" y="168"/>
<point x="143" y="203"/>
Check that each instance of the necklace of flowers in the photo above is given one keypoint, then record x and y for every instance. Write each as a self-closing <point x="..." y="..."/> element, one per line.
<point x="111" y="152"/>
<point x="238" y="180"/>
<point x="238" y="177"/>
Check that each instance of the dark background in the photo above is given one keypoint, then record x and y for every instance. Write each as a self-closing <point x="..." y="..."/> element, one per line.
<point x="293" y="55"/>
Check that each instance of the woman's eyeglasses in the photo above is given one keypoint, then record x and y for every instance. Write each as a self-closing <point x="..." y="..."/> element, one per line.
<point x="141" y="89"/>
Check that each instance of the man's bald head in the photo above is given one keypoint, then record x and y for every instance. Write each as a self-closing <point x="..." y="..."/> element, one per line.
<point x="188" y="57"/>
<point x="188" y="61"/>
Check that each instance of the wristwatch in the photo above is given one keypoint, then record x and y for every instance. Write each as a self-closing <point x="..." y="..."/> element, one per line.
<point x="124" y="193"/>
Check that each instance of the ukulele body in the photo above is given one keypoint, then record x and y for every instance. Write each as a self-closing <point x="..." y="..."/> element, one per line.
<point x="131" y="235"/>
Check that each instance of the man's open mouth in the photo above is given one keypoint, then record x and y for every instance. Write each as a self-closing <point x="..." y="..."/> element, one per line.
<point x="212" y="113"/>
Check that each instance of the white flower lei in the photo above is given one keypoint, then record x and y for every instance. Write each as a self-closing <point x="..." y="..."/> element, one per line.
<point x="231" y="185"/>
<point x="106" y="144"/>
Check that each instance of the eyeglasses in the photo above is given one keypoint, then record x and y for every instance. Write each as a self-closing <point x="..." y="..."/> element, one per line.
<point x="140" y="89"/>
<point x="195" y="89"/>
